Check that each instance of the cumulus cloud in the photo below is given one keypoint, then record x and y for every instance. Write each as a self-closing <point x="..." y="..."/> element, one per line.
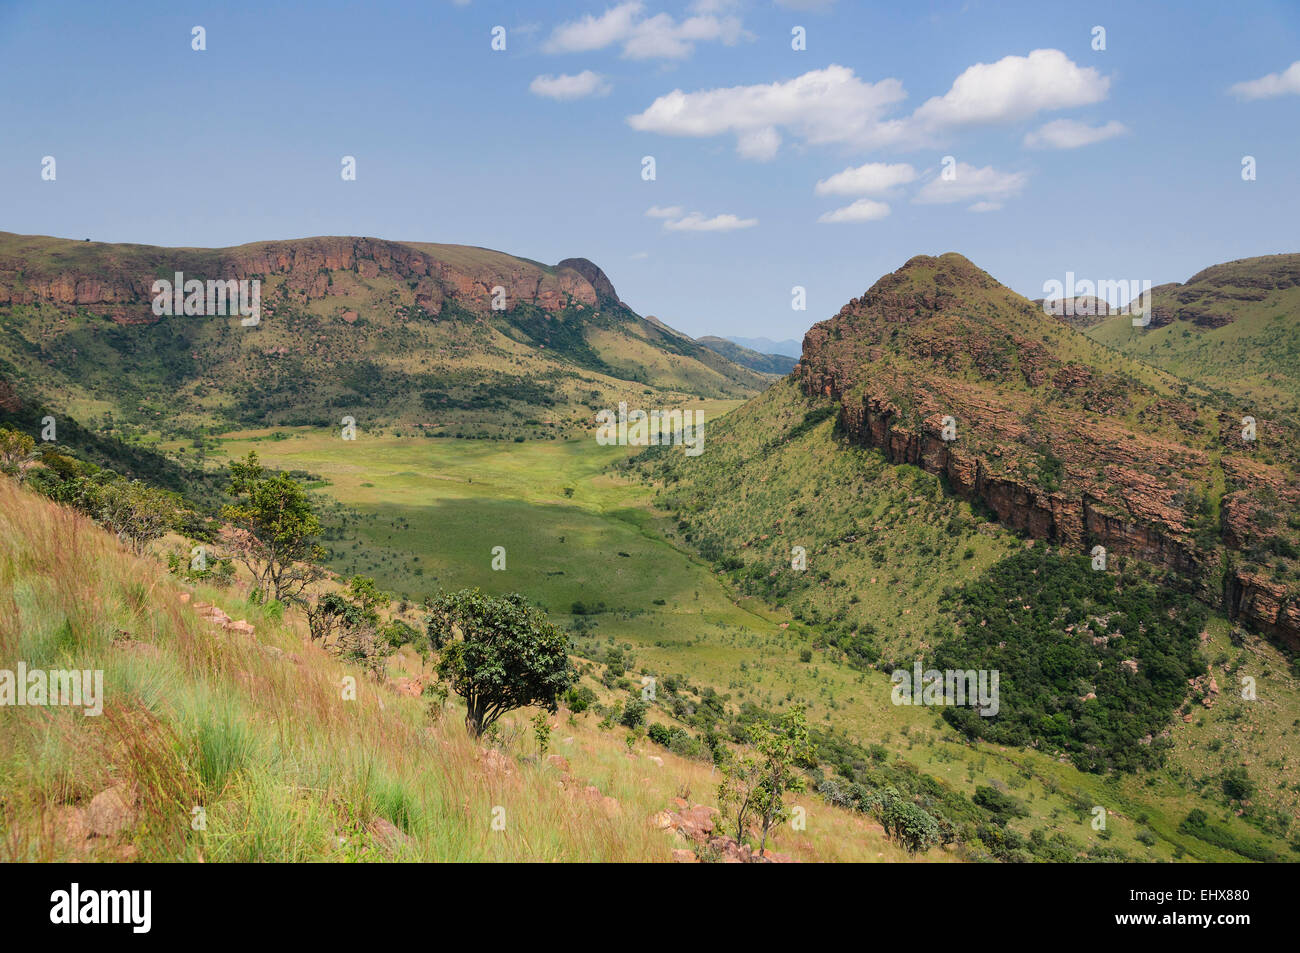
<point x="1013" y="88"/>
<point x="987" y="185"/>
<point x="985" y="207"/>
<point x="646" y="37"/>
<point x="1274" y="84"/>
<point x="870" y="179"/>
<point x="863" y="210"/>
<point x="829" y="105"/>
<point x="564" y="86"/>
<point x="698" y="222"/>
<point x="671" y="211"/>
<point x="834" y="106"/>
<point x="1071" y="134"/>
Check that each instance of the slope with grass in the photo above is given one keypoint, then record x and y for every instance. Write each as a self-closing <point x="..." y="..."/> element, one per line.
<point x="1233" y="327"/>
<point x="895" y="563"/>
<point x="258" y="733"/>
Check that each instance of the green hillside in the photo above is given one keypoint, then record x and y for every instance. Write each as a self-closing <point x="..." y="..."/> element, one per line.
<point x="1234" y="328"/>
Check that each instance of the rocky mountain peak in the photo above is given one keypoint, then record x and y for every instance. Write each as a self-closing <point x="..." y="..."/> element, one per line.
<point x="590" y="271"/>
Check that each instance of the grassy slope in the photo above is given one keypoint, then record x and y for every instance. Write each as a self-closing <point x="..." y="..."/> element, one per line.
<point x="256" y="731"/>
<point x="1253" y="358"/>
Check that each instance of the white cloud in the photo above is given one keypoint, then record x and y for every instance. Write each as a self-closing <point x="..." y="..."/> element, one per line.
<point x="971" y="183"/>
<point x="760" y="144"/>
<point x="1071" y="134"/>
<point x="833" y="106"/>
<point x="1266" y="87"/>
<point x="985" y="207"/>
<point x="671" y="211"/>
<point x="564" y="86"/>
<point x="646" y="37"/>
<point x="639" y="255"/>
<point x="696" y="222"/>
<point x="1013" y="88"/>
<point x="869" y="179"/>
<point x="822" y="106"/>
<point x="863" y="210"/>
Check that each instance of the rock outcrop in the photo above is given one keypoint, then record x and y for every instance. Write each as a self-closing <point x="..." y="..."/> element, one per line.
<point x="119" y="283"/>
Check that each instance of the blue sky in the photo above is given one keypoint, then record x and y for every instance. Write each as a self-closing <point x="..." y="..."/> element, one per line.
<point x="537" y="150"/>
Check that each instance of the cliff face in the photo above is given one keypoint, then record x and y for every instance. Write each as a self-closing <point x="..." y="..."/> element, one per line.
<point x="116" y="279"/>
<point x="940" y="367"/>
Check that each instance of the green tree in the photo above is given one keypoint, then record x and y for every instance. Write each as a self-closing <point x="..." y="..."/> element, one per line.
<point x="755" y="782"/>
<point x="272" y="529"/>
<point x="909" y="825"/>
<point x="633" y="713"/>
<point x="136" y="512"/>
<point x="498" y="655"/>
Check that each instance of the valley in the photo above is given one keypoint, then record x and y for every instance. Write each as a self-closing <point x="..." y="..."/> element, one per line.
<point x="827" y="535"/>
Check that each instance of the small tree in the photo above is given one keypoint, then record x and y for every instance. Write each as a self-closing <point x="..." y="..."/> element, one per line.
<point x="136" y="512"/>
<point x="272" y="529"/>
<point x="754" y="784"/>
<point x="498" y="654"/>
<point x="542" y="732"/>
<point x="909" y="825"/>
<point x="17" y="453"/>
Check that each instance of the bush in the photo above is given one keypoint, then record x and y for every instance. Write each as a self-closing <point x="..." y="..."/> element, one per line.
<point x="633" y="713"/>
<point x="911" y="827"/>
<point x="579" y="698"/>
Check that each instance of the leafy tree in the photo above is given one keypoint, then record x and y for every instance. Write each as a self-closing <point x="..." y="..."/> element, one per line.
<point x="633" y="713"/>
<point x="17" y="453"/>
<point x="135" y="512"/>
<point x="498" y="654"/>
<point x="754" y="784"/>
<point x="908" y="824"/>
<point x="272" y="529"/>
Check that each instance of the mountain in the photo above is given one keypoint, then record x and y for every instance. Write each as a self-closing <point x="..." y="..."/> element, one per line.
<point x="942" y="367"/>
<point x="1054" y="435"/>
<point x="438" y="338"/>
<point x="1233" y="327"/>
<point x="738" y="354"/>
<point x="788" y="347"/>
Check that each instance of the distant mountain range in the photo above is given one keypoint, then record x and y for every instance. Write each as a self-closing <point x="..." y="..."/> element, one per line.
<point x="763" y="363"/>
<point x="789" y="348"/>
<point x="444" y="339"/>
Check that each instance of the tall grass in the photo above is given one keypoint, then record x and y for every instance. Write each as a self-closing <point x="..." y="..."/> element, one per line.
<point x="244" y="749"/>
